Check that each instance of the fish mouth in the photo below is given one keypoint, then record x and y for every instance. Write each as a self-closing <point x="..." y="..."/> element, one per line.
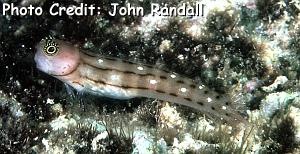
<point x="41" y="62"/>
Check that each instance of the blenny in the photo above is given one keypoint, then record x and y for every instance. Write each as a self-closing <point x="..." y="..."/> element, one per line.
<point x="121" y="79"/>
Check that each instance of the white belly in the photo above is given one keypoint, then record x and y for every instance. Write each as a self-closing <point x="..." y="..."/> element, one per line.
<point x="110" y="91"/>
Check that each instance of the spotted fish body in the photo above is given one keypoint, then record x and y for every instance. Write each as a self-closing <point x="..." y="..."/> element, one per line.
<point x="119" y="79"/>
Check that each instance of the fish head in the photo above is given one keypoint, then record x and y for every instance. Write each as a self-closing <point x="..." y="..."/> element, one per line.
<point x="56" y="57"/>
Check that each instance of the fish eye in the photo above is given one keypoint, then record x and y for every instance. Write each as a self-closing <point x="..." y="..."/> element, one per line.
<point x="51" y="48"/>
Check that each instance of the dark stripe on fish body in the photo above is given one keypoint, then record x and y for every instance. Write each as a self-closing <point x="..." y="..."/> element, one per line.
<point x="125" y="72"/>
<point x="119" y="86"/>
<point x="180" y="81"/>
<point x="188" y="99"/>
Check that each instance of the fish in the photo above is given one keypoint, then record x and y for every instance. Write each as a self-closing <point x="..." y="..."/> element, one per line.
<point x="122" y="79"/>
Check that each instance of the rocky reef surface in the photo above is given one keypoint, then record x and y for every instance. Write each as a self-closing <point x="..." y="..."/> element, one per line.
<point x="250" y="48"/>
